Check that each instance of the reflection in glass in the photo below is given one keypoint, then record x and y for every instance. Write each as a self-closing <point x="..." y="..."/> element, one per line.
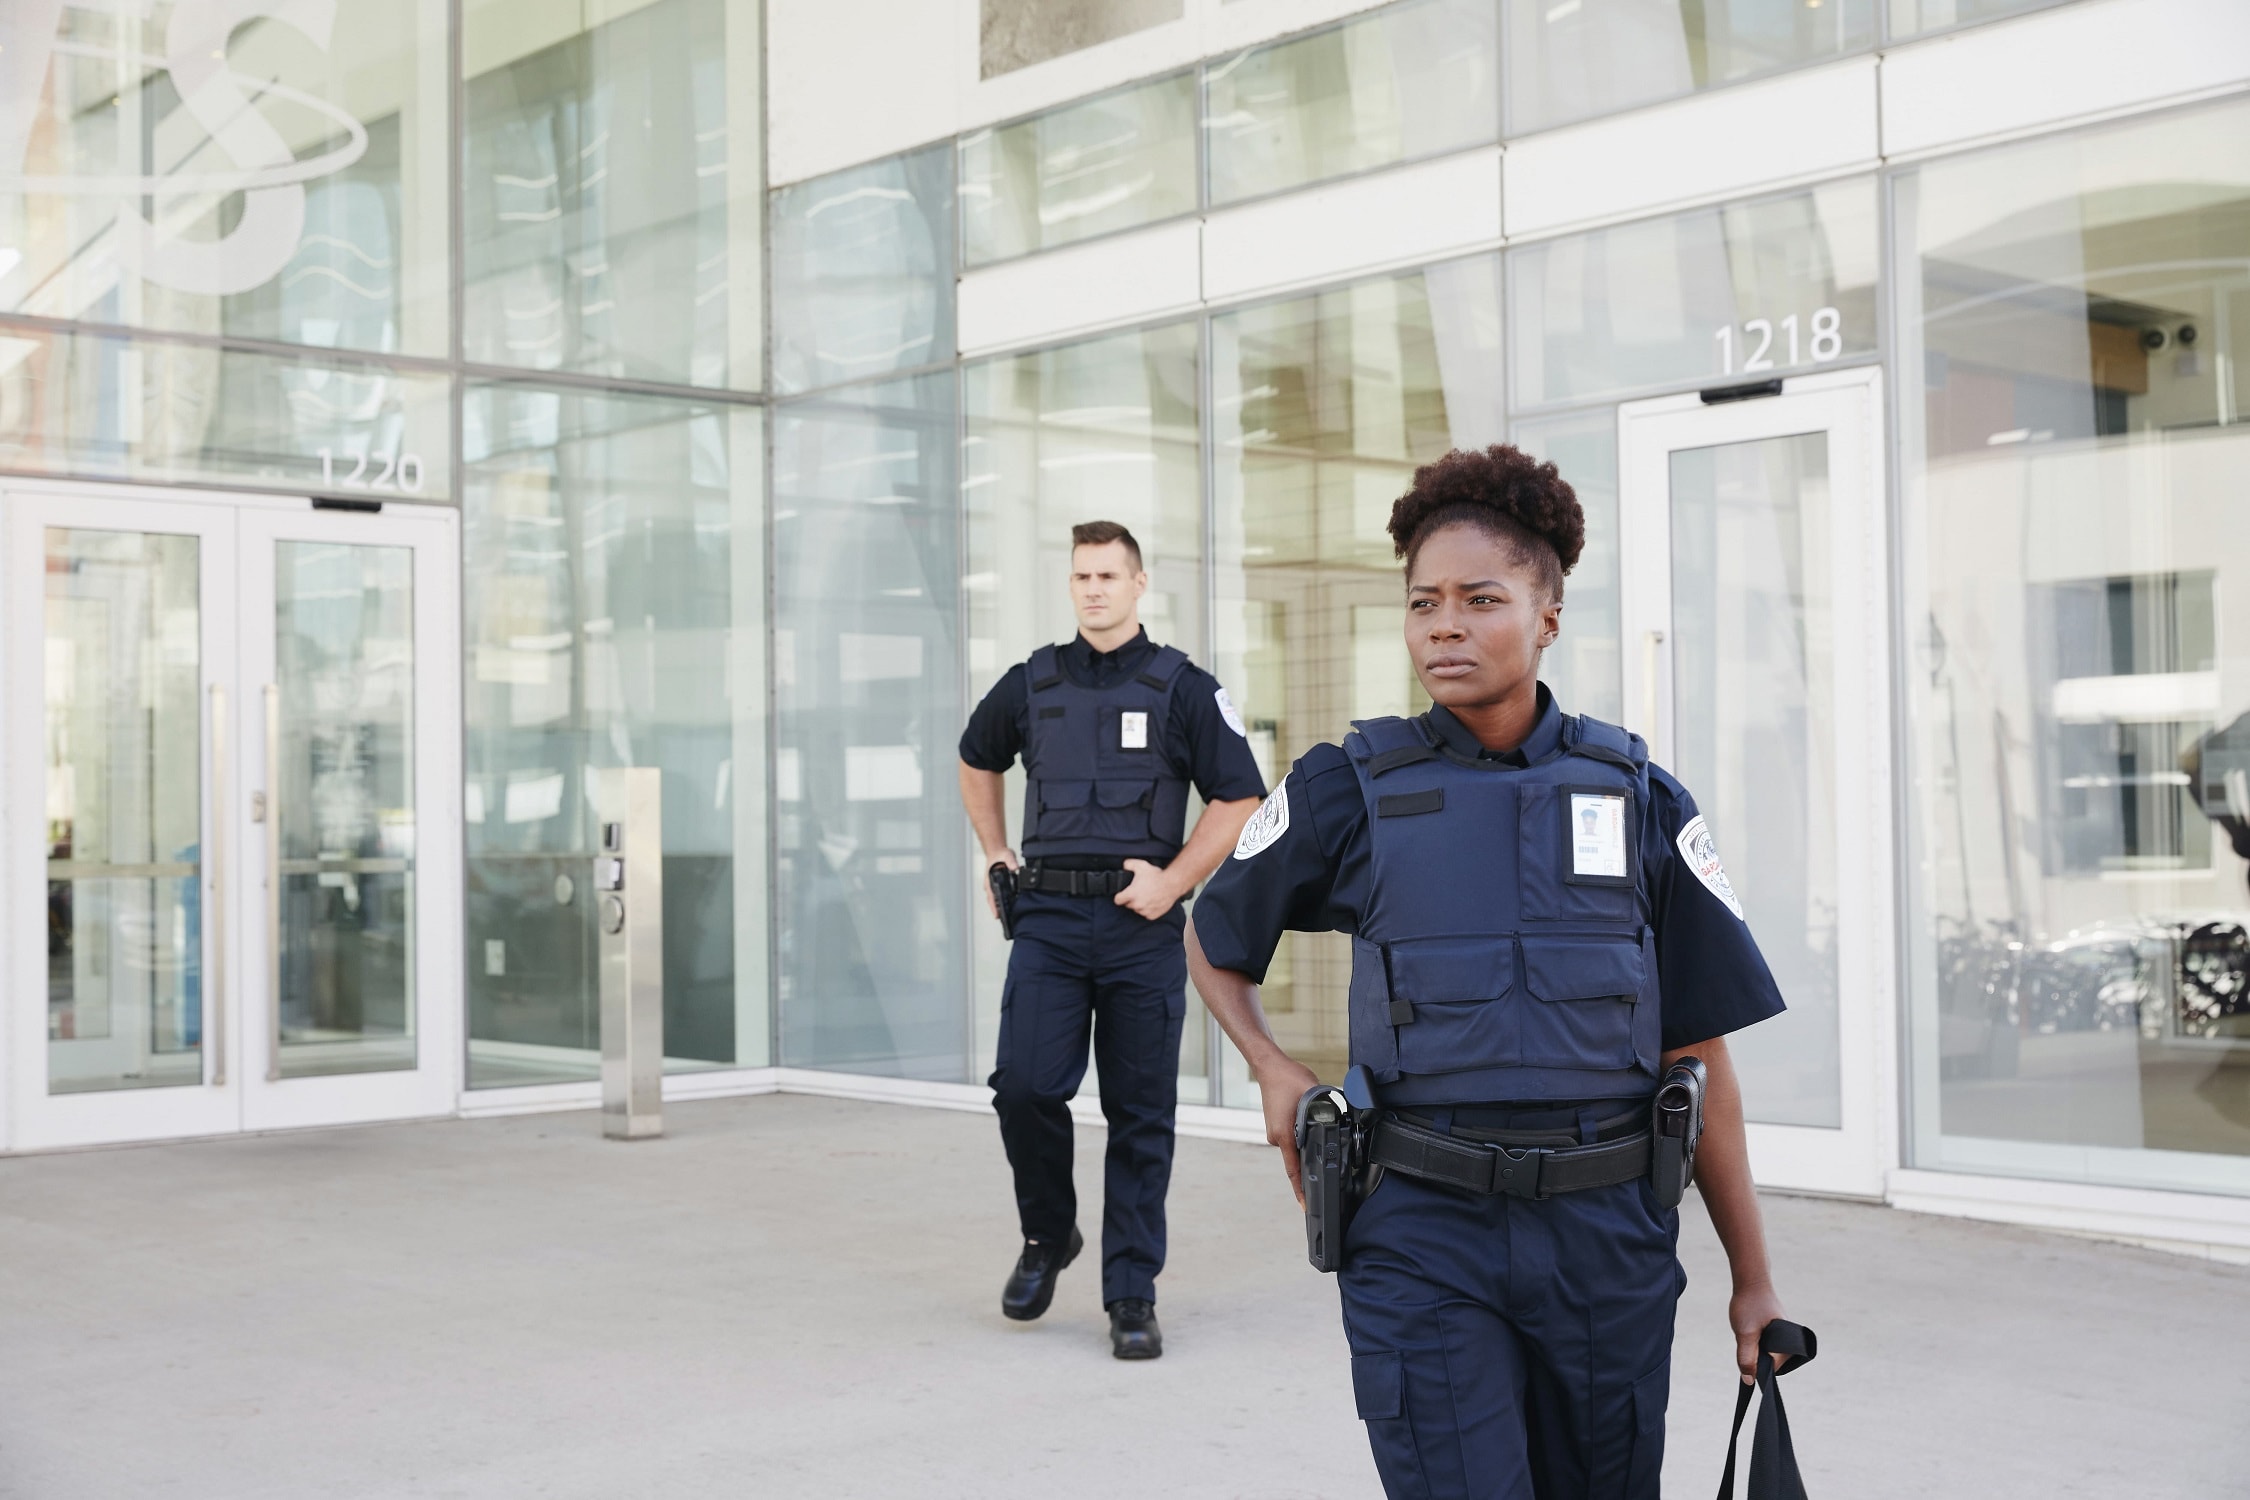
<point x="1715" y="295"/>
<point x="1322" y="408"/>
<point x="1407" y="82"/>
<point x="1584" y="667"/>
<point x="611" y="186"/>
<point x="2078" y="636"/>
<point x="863" y="271"/>
<point x="1567" y="62"/>
<point x="1104" y="429"/>
<point x="270" y="172"/>
<point x="91" y="406"/>
<point x="124" y="810"/>
<point x="612" y="572"/>
<point x="1103" y="164"/>
<point x="871" y="860"/>
<point x="1753" y="726"/>
<point x="1909" y="17"/>
<point x="343" y="801"/>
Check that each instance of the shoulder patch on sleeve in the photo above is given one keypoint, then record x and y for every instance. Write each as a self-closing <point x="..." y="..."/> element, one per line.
<point x="1701" y="852"/>
<point x="1232" y="715"/>
<point x="1266" y="825"/>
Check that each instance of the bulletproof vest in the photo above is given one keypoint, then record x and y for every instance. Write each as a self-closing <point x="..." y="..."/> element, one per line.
<point x="1504" y="952"/>
<point x="1100" y="781"/>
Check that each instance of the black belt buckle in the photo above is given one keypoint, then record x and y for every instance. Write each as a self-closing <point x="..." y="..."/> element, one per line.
<point x="1516" y="1170"/>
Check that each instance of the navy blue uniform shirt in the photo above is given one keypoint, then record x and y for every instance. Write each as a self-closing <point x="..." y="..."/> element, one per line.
<point x="1313" y="878"/>
<point x="1201" y="737"/>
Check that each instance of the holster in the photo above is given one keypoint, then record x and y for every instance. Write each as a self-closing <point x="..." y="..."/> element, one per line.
<point x="1003" y="882"/>
<point x="1332" y="1129"/>
<point x="1676" y="1118"/>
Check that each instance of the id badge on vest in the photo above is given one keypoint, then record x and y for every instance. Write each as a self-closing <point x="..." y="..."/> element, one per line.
<point x="1596" y="834"/>
<point x="1132" y="731"/>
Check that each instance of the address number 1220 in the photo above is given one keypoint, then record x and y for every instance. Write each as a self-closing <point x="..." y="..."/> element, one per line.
<point x="1758" y="336"/>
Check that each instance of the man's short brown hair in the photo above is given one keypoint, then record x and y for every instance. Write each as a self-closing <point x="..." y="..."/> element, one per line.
<point x="1101" y="534"/>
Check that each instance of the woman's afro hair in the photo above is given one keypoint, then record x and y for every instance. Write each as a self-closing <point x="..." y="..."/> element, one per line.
<point x="1504" y="492"/>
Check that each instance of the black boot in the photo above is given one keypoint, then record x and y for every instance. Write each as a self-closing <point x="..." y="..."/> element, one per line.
<point x="1032" y="1285"/>
<point x="1133" y="1333"/>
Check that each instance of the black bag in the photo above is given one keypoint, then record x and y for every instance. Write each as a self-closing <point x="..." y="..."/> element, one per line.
<point x="1773" y="1459"/>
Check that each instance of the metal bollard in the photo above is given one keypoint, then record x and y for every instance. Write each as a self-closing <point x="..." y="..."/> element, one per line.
<point x="629" y="910"/>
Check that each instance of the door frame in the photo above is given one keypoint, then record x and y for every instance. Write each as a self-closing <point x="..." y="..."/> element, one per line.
<point x="1852" y="1160"/>
<point x="230" y="524"/>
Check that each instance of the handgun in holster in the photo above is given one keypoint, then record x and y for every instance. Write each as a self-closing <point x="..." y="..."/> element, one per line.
<point x="1676" y="1120"/>
<point x="1003" y="882"/>
<point x="1332" y="1127"/>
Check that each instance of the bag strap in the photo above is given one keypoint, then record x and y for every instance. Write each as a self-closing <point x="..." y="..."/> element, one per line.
<point x="1773" y="1458"/>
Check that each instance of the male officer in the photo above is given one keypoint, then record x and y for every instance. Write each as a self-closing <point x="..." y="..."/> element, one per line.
<point x="1112" y="730"/>
<point x="1540" y="929"/>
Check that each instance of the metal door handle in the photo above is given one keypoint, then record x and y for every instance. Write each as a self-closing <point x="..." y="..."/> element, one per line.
<point x="215" y="872"/>
<point x="272" y="798"/>
<point x="1652" y="661"/>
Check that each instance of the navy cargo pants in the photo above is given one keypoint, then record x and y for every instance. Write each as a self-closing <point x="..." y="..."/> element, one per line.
<point x="1084" y="964"/>
<point x="1510" y="1348"/>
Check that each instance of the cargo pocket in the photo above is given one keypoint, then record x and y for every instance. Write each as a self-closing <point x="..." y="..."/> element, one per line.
<point x="1587" y="992"/>
<point x="1064" y="809"/>
<point x="1379" y="1385"/>
<point x="1651" y="1394"/>
<point x="1549" y="895"/>
<point x="1373" y="1040"/>
<point x="1447" y="996"/>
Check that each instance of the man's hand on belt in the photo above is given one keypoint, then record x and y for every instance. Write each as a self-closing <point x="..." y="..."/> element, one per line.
<point x="1152" y="893"/>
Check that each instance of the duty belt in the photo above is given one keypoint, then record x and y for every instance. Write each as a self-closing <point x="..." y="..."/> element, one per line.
<point x="1038" y="877"/>
<point x="1493" y="1166"/>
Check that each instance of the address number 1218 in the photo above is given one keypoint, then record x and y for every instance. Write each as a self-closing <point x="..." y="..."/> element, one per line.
<point x="1759" y="336"/>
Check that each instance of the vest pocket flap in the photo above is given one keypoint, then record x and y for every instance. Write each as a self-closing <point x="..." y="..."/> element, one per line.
<point x="1583" y="969"/>
<point x="1064" y="793"/>
<point x="1434" y="970"/>
<point x="1124" y="793"/>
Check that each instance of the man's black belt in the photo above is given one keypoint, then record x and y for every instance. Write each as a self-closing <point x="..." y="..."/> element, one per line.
<point x="1054" y="882"/>
<point x="1529" y="1171"/>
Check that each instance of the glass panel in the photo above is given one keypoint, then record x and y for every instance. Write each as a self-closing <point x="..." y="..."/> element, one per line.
<point x="343" y="800"/>
<point x="871" y="853"/>
<point x="612" y="187"/>
<point x="1584" y="666"/>
<point x="612" y="593"/>
<point x="863" y="271"/>
<point x="1733" y="293"/>
<point x="2077" y="578"/>
<point x="1104" y="429"/>
<point x="124" y="810"/>
<point x="1406" y="82"/>
<point x="94" y="407"/>
<point x="1321" y="410"/>
<point x="1573" y="60"/>
<point x="1753" y="716"/>
<point x="1911" y="16"/>
<point x="1017" y="33"/>
<point x="1110" y="163"/>
<point x="261" y="169"/>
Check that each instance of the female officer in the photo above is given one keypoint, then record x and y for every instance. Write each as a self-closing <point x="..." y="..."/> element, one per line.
<point x="1540" y="927"/>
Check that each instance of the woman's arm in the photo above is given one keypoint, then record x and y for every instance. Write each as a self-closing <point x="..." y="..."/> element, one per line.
<point x="1722" y="1175"/>
<point x="1232" y="998"/>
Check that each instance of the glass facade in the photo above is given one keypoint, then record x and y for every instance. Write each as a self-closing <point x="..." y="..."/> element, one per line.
<point x="863" y="272"/>
<point x="1406" y="82"/>
<point x="1122" y="160"/>
<point x="2077" y="312"/>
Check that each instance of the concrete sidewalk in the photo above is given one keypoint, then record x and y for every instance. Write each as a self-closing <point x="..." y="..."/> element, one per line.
<point x="799" y="1297"/>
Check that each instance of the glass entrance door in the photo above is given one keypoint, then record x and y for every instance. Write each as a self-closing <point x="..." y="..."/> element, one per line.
<point x="1752" y="546"/>
<point x="233" y="845"/>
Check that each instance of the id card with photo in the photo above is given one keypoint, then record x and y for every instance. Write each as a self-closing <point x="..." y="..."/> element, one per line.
<point x="1133" y="731"/>
<point x="1597" y="836"/>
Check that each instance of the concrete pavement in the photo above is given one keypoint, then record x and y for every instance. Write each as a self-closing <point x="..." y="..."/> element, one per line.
<point x="799" y="1297"/>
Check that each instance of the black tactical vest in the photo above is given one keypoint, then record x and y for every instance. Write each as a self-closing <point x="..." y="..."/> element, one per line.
<point x="1100" y="781"/>
<point x="1504" y="953"/>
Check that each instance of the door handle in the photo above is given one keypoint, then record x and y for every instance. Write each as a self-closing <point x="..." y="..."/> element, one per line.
<point x="215" y="874"/>
<point x="1652" y="663"/>
<point x="272" y="809"/>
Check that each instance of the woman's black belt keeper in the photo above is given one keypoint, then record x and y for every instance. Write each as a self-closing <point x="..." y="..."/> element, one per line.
<point x="1519" y="1171"/>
